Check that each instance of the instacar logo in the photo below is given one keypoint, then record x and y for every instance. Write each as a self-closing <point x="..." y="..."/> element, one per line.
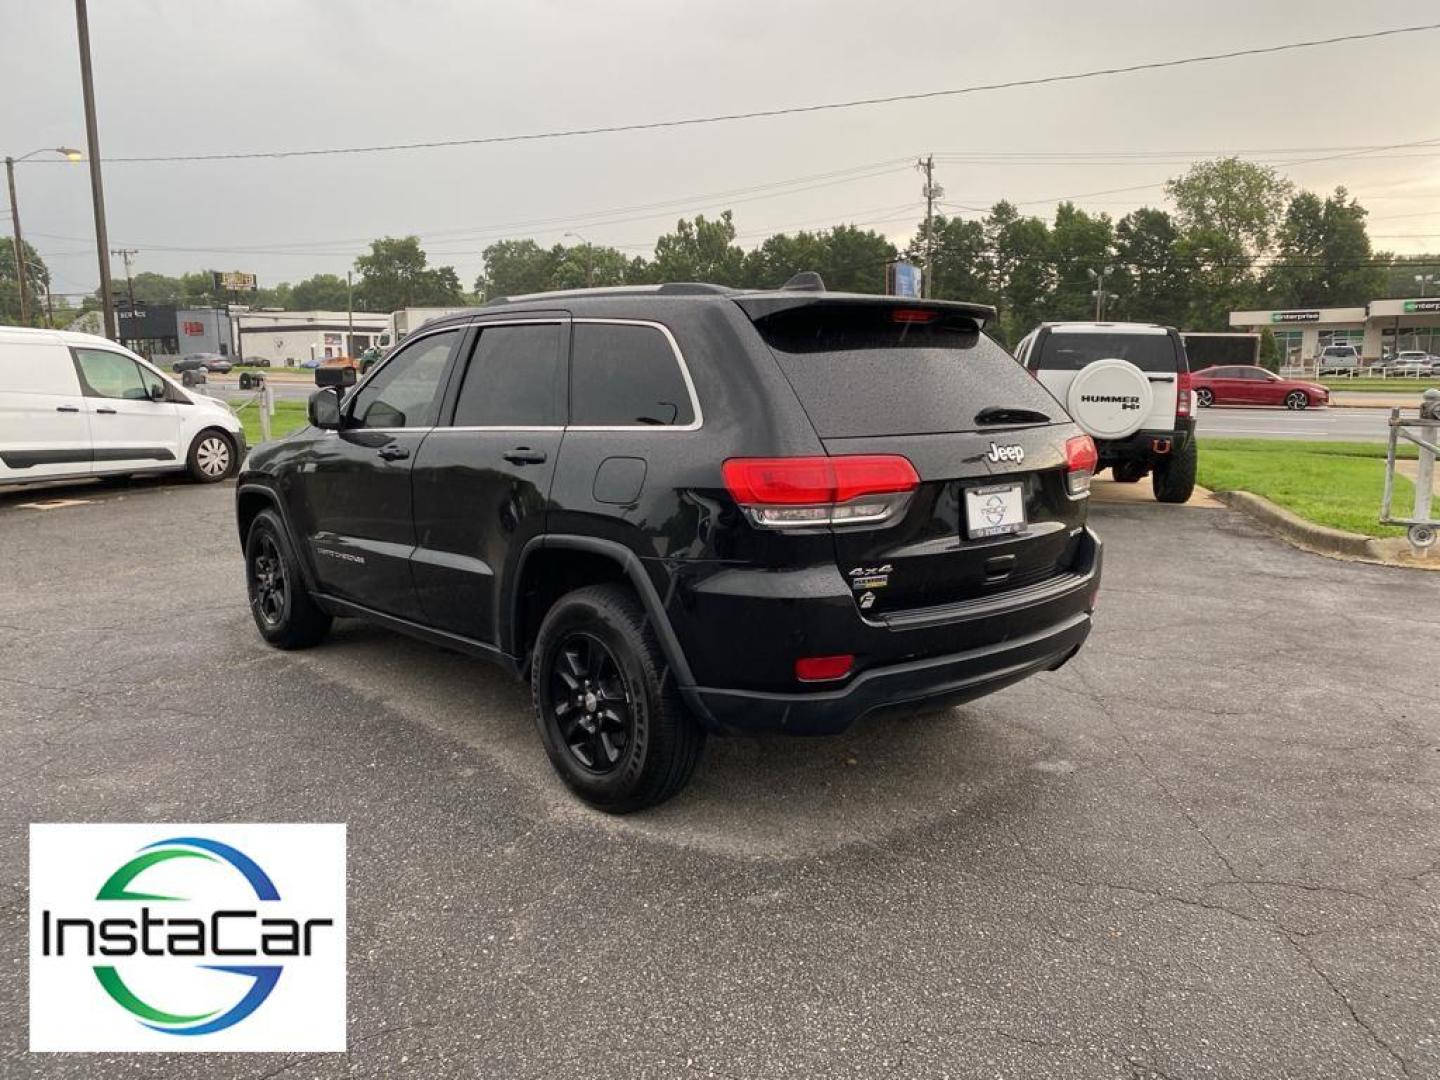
<point x="188" y="943"/>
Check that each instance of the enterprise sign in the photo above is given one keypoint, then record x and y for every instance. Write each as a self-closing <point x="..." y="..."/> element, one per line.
<point x="1294" y="316"/>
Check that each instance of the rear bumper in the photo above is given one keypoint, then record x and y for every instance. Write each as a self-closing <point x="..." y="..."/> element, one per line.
<point x="1056" y="623"/>
<point x="1145" y="446"/>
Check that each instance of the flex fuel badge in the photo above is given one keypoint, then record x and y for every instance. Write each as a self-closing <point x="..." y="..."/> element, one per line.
<point x="865" y="578"/>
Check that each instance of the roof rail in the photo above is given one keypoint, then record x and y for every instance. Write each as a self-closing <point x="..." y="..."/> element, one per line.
<point x="694" y="288"/>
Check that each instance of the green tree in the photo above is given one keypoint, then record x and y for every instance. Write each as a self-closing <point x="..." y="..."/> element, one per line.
<point x="322" y="292"/>
<point x="963" y="268"/>
<point x="1219" y="270"/>
<point x="1022" y="275"/>
<point x="514" y="268"/>
<point x="1079" y="244"/>
<point x="1149" y="279"/>
<point x="1401" y="270"/>
<point x="395" y="274"/>
<point x="849" y="259"/>
<point x="589" y="265"/>
<point x="1323" y="254"/>
<point x="37" y="285"/>
<point x="1269" y="350"/>
<point x="700" y="250"/>
<point x="1238" y="200"/>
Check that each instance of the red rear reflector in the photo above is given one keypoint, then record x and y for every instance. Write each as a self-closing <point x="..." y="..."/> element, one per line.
<point x="913" y="315"/>
<point x="1182" y="394"/>
<point x="823" y="668"/>
<point x="810" y="481"/>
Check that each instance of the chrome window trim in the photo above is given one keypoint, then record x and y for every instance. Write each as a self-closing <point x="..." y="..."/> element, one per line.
<point x="694" y="425"/>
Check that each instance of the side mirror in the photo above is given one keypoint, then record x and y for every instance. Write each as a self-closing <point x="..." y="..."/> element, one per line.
<point x="324" y="409"/>
<point x="157" y="391"/>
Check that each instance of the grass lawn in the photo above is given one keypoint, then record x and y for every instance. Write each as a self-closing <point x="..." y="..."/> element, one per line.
<point x="1388" y="386"/>
<point x="1332" y="483"/>
<point x="289" y="415"/>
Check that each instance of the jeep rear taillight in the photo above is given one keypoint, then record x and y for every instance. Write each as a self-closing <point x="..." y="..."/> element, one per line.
<point x="1080" y="461"/>
<point x="801" y="492"/>
<point x="1182" y="395"/>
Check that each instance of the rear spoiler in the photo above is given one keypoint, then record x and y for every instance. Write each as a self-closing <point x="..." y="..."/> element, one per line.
<point x="759" y="305"/>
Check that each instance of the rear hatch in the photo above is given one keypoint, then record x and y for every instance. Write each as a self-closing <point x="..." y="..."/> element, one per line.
<point x="1064" y="352"/>
<point x="991" y="513"/>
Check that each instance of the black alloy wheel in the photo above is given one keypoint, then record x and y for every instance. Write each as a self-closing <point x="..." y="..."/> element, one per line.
<point x="590" y="703"/>
<point x="268" y="580"/>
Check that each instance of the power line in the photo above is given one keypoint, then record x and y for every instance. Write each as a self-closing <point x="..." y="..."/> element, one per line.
<point x="791" y="110"/>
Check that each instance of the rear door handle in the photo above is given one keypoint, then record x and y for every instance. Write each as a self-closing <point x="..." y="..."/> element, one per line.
<point x="67" y="408"/>
<point x="394" y="453"/>
<point x="106" y="412"/>
<point x="523" y="455"/>
<point x="1162" y="378"/>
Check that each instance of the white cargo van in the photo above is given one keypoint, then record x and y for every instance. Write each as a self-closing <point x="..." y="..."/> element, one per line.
<point x="76" y="405"/>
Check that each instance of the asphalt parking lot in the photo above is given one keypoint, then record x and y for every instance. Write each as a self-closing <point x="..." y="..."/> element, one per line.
<point x="1208" y="847"/>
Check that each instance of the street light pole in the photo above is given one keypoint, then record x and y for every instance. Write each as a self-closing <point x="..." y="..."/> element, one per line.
<point x="97" y="188"/>
<point x="1423" y="279"/>
<point x="1099" y="279"/>
<point x="350" y="316"/>
<point x="21" y="263"/>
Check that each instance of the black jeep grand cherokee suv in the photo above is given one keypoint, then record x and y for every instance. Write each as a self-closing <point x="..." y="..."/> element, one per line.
<point x="687" y="508"/>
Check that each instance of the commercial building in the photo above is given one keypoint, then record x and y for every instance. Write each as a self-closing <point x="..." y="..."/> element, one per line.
<point x="288" y="337"/>
<point x="1380" y="328"/>
<point x="159" y="330"/>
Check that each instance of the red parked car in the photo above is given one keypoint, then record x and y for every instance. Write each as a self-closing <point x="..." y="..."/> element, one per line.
<point x="1250" y="385"/>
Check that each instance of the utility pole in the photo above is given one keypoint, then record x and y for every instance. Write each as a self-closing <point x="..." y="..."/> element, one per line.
<point x="126" y="254"/>
<point x="349" y="315"/>
<point x="932" y="191"/>
<point x="20" y="266"/>
<point x="97" y="189"/>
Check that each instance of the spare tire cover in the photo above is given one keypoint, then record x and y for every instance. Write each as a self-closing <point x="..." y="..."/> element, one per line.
<point x="1110" y="398"/>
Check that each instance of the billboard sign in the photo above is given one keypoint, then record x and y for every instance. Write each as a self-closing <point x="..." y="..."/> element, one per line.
<point x="233" y="281"/>
<point x="903" y="279"/>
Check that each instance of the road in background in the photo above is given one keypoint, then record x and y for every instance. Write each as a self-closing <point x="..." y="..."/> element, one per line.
<point x="1335" y="424"/>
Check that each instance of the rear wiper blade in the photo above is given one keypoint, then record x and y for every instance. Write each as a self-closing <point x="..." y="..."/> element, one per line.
<point x="1002" y="414"/>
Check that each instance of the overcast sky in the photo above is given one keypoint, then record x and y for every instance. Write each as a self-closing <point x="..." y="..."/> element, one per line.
<point x="180" y="76"/>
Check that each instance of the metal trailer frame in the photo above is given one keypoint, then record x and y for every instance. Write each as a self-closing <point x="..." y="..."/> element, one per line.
<point x="1422" y="528"/>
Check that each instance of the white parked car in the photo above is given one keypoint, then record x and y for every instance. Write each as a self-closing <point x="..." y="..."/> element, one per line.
<point x="76" y="405"/>
<point x="1411" y="362"/>
<point x="1337" y="360"/>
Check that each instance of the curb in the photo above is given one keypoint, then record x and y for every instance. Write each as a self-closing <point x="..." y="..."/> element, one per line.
<point x="1322" y="539"/>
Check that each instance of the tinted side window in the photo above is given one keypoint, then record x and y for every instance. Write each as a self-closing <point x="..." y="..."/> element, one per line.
<point x="1071" y="352"/>
<point x="513" y="379"/>
<point x="626" y="376"/>
<point x="405" y="392"/>
<point x="109" y="375"/>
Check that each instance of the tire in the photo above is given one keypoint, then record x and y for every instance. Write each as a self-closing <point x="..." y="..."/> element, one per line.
<point x="1297" y="400"/>
<point x="1173" y="480"/>
<point x="212" y="457"/>
<point x="1129" y="473"/>
<point x="625" y="740"/>
<point x="1204" y="397"/>
<point x="287" y="618"/>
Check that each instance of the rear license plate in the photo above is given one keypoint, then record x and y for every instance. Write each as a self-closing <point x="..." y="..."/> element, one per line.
<point x="994" y="510"/>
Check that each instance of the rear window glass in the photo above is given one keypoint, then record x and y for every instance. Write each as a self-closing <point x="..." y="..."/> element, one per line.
<point x="1071" y="352"/>
<point x="859" y="371"/>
